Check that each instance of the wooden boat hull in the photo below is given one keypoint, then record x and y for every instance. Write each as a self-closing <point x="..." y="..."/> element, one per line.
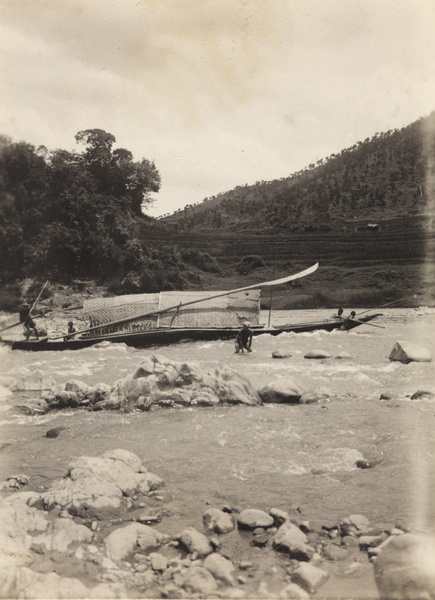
<point x="162" y="337"/>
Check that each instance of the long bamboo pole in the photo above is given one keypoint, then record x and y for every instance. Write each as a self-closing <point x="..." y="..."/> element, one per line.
<point x="32" y="307"/>
<point x="178" y="306"/>
<point x="371" y="324"/>
<point x="382" y="306"/>
<point x="39" y="295"/>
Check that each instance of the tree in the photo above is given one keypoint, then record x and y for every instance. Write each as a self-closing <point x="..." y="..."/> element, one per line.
<point x="116" y="173"/>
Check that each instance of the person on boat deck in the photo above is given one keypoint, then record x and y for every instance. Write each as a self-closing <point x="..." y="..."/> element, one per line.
<point x="348" y="320"/>
<point x="27" y="321"/>
<point x="243" y="339"/>
<point x="338" y="314"/>
<point x="71" y="331"/>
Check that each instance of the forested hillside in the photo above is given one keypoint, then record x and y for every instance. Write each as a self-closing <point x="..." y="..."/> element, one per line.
<point x="66" y="215"/>
<point x="366" y="214"/>
<point x="379" y="178"/>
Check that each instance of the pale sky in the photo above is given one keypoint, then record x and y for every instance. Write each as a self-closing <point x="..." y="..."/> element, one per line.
<point x="218" y="93"/>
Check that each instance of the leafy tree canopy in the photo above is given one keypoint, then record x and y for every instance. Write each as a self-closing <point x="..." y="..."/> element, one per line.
<point x="73" y="213"/>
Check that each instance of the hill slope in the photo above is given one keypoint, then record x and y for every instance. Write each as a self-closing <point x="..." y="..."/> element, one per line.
<point x="387" y="176"/>
<point x="365" y="214"/>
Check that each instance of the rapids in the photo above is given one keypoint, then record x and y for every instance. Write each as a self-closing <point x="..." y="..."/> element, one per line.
<point x="286" y="456"/>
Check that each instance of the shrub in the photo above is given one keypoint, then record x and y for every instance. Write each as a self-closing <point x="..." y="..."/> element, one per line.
<point x="200" y="259"/>
<point x="249" y="263"/>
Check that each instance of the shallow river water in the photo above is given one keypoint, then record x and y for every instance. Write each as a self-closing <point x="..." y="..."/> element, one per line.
<point x="286" y="456"/>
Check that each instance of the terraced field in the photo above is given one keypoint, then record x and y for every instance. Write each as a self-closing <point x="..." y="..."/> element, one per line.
<point x="364" y="265"/>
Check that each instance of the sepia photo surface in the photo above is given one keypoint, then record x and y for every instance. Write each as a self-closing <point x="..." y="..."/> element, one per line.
<point x="217" y="299"/>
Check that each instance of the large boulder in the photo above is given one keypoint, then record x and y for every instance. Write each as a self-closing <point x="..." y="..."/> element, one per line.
<point x="35" y="524"/>
<point x="284" y="390"/>
<point x="404" y="569"/>
<point x="61" y="534"/>
<point x="19" y="515"/>
<point x="100" y="485"/>
<point x="159" y="381"/>
<point x="407" y="352"/>
<point x="123" y="541"/>
<point x="22" y="582"/>
<point x="25" y="583"/>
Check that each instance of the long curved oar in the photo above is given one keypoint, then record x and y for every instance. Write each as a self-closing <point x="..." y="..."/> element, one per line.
<point x="178" y="306"/>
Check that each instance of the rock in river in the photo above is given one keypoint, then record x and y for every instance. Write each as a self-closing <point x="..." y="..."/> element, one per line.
<point x="251" y="518"/>
<point x="100" y="485"/>
<point x="217" y="520"/>
<point x="159" y="382"/>
<point x="317" y="354"/>
<point x="279" y="354"/>
<point x="407" y="352"/>
<point x="282" y="390"/>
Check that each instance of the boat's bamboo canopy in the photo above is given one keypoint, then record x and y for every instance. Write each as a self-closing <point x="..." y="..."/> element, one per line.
<point x="229" y="310"/>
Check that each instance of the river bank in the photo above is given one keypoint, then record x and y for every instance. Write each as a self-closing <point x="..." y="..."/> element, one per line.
<point x="298" y="459"/>
<point x="356" y="286"/>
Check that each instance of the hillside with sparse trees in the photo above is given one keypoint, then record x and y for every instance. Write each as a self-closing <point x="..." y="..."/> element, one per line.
<point x="379" y="178"/>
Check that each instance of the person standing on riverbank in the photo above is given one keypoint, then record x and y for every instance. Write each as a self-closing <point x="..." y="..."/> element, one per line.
<point x="243" y="339"/>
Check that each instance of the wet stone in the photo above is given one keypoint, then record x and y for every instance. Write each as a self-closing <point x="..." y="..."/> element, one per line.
<point x="53" y="433"/>
<point x="252" y="518"/>
<point x="309" y="577"/>
<point x="260" y="540"/>
<point x="334" y="552"/>
<point x="423" y="395"/>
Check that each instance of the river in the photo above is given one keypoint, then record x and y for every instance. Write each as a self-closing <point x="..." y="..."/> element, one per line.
<point x="293" y="457"/>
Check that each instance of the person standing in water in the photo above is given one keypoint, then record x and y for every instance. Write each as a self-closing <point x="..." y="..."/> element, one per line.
<point x="243" y="339"/>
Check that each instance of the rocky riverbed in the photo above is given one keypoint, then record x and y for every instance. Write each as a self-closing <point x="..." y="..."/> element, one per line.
<point x="95" y="534"/>
<point x="256" y="477"/>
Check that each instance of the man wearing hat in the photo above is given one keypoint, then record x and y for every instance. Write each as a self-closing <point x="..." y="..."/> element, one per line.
<point x="243" y="339"/>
